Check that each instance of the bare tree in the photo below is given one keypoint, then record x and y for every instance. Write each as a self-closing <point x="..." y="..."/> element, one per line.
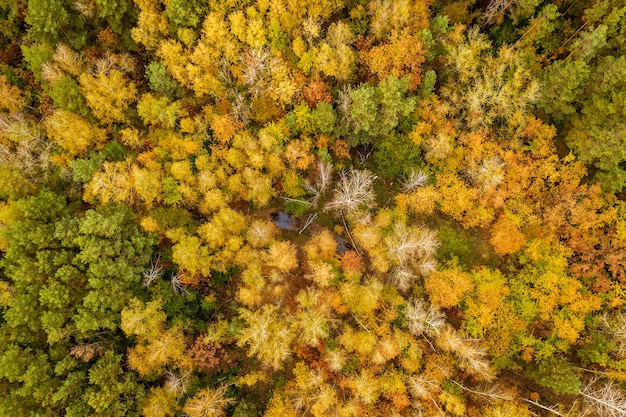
<point x="424" y="318"/>
<point x="51" y="72"/>
<point x="604" y="399"/>
<point x="472" y="358"/>
<point x="322" y="181"/>
<point x="406" y="244"/>
<point x="427" y="266"/>
<point x="224" y="74"/>
<point x="256" y="68"/>
<point x="175" y="281"/>
<point x="177" y="384"/>
<point x="85" y="7"/>
<point x="267" y="335"/>
<point x="240" y="110"/>
<point x="25" y="147"/>
<point x="69" y="60"/>
<point x="344" y="104"/>
<point x="153" y="273"/>
<point x="415" y="180"/>
<point x="208" y="402"/>
<point x="496" y="7"/>
<point x="615" y="324"/>
<point x="402" y="278"/>
<point x="489" y="174"/>
<point x="336" y="359"/>
<point x="353" y="192"/>
<point x="421" y="387"/>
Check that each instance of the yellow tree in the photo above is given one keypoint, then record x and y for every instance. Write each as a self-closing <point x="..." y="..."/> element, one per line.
<point x="11" y="98"/>
<point x="190" y="254"/>
<point x="266" y="335"/>
<point x="558" y="297"/>
<point x="160" y="402"/>
<point x="113" y="183"/>
<point x="157" y="346"/>
<point x="401" y="56"/>
<point x="280" y="406"/>
<point x="147" y="183"/>
<point x="152" y="356"/>
<point x="313" y="321"/>
<point x="208" y="402"/>
<point x="447" y="287"/>
<point x="108" y="94"/>
<point x="506" y="236"/>
<point x="224" y="236"/>
<point x="152" y="24"/>
<point x="74" y="134"/>
<point x="158" y="111"/>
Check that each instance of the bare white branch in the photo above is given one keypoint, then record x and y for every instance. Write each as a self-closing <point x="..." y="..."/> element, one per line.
<point x="491" y="393"/>
<point x="427" y="266"/>
<point x="604" y="398"/>
<point x="415" y="180"/>
<point x="177" y="285"/>
<point x="353" y="193"/>
<point x="424" y="318"/>
<point x="25" y="147"/>
<point x="406" y="244"/>
<point x="322" y="181"/>
<point x="402" y="278"/>
<point x="344" y="103"/>
<point x="365" y="154"/>
<point x="496" y="7"/>
<point x="240" y="111"/>
<point x="471" y="357"/>
<point x="256" y="68"/>
<point x="615" y="324"/>
<point x="154" y="273"/>
<point x="552" y="409"/>
<point x="308" y="222"/>
<point x="421" y="387"/>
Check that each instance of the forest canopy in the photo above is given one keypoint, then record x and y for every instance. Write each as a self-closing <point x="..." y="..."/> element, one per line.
<point x="312" y="208"/>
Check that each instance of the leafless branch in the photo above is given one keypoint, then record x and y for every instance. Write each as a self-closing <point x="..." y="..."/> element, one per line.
<point x="322" y="181"/>
<point x="604" y="398"/>
<point x="154" y="273"/>
<point x="177" y="285"/>
<point x="353" y="192"/>
<point x="415" y="180"/>
<point x="551" y="409"/>
<point x="308" y="222"/>
<point x="424" y="318"/>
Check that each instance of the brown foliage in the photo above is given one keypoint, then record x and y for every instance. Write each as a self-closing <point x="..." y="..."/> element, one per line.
<point x="106" y="38"/>
<point x="86" y="352"/>
<point x="209" y="357"/>
<point x="265" y="109"/>
<point x="315" y="92"/>
<point x="12" y="55"/>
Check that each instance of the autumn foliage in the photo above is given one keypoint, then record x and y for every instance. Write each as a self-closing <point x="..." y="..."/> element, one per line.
<point x="312" y="208"/>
